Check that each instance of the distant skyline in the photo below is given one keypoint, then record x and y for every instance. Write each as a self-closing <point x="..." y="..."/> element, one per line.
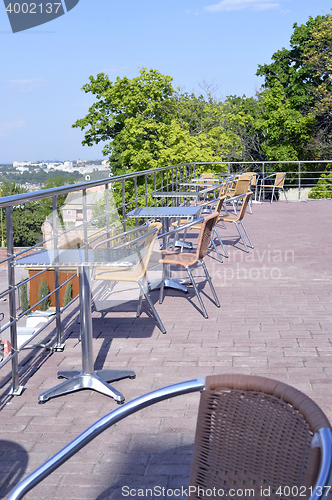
<point x="44" y="68"/>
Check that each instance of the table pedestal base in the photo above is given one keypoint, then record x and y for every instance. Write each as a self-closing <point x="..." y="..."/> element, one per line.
<point x="177" y="284"/>
<point x="96" y="381"/>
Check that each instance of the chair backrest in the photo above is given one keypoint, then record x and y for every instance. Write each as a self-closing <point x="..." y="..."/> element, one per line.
<point x="224" y="189"/>
<point x="244" y="205"/>
<point x="220" y="204"/>
<point x="241" y="186"/>
<point x="205" y="234"/>
<point x="254" y="433"/>
<point x="279" y="180"/>
<point x="143" y="245"/>
<point x="253" y="179"/>
<point x="207" y="176"/>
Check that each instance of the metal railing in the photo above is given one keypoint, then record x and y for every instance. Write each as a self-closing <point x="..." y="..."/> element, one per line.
<point x="122" y="194"/>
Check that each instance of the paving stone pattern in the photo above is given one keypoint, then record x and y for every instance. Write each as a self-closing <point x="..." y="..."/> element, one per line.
<point x="274" y="320"/>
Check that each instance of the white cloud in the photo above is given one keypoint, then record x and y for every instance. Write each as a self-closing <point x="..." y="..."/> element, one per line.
<point x="229" y="5"/>
<point x="24" y="85"/>
<point x="7" y="127"/>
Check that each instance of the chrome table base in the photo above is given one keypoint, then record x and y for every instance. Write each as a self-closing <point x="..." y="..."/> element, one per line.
<point x="96" y="381"/>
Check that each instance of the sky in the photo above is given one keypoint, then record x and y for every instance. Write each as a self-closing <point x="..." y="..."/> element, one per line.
<point x="43" y="69"/>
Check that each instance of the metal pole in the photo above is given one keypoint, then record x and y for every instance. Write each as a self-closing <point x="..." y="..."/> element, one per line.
<point x="146" y="189"/>
<point x="107" y="208"/>
<point x="123" y="205"/>
<point x="299" y="181"/>
<point x="135" y="184"/>
<point x="16" y="389"/>
<point x="155" y="188"/>
<point x="58" y="346"/>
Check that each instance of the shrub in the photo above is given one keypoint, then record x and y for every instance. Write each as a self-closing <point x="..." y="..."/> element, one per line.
<point x="43" y="291"/>
<point x="323" y="188"/>
<point x="68" y="295"/>
<point x="24" y="297"/>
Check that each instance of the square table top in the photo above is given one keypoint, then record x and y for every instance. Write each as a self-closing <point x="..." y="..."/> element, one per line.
<point x="184" y="211"/>
<point x="79" y="257"/>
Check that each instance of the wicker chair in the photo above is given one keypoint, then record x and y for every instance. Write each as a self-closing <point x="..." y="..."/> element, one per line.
<point x="238" y="219"/>
<point x="190" y="261"/>
<point x="143" y="243"/>
<point x="255" y="437"/>
<point x="218" y="204"/>
<point x="279" y="180"/>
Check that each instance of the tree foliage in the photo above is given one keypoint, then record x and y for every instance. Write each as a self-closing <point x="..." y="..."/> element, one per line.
<point x="304" y="72"/>
<point x="149" y="125"/>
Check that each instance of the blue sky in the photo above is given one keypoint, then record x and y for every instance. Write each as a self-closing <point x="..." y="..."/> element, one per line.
<point x="43" y="69"/>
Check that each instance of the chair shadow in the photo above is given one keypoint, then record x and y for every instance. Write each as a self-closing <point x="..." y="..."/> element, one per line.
<point x="14" y="460"/>
<point x="163" y="461"/>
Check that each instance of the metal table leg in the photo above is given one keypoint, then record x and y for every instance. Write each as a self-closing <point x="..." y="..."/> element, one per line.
<point x="87" y="378"/>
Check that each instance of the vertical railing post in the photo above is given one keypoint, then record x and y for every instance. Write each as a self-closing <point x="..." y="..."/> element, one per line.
<point x="85" y="219"/>
<point x="58" y="346"/>
<point x="135" y="184"/>
<point x="155" y="187"/>
<point x="107" y="214"/>
<point x="146" y="189"/>
<point x="123" y="205"/>
<point x="16" y="389"/>
<point x="263" y="167"/>
<point x="299" y="181"/>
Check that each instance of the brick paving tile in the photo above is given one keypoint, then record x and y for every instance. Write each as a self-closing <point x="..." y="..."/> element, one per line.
<point x="275" y="320"/>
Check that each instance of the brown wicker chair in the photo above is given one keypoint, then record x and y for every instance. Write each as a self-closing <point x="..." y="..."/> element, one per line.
<point x="279" y="180"/>
<point x="218" y="204"/>
<point x="238" y="219"/>
<point x="255" y="437"/>
<point x="190" y="261"/>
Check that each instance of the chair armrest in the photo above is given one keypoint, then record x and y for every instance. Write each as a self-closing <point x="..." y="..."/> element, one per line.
<point x="181" y="228"/>
<point x="267" y="177"/>
<point x="120" y="235"/>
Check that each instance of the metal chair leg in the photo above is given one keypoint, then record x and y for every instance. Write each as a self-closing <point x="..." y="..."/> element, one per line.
<point x="161" y="326"/>
<point x="140" y="300"/>
<point x="162" y="285"/>
<point x="208" y="277"/>
<point x="285" y="195"/>
<point x="245" y="230"/>
<point x="215" y="247"/>
<point x="241" y="236"/>
<point x="197" y="292"/>
<point x="220" y="240"/>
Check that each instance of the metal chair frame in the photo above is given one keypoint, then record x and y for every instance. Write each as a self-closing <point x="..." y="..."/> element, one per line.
<point x="199" y="262"/>
<point x="322" y="438"/>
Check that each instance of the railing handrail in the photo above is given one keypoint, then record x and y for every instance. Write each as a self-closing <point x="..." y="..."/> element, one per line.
<point x="56" y="191"/>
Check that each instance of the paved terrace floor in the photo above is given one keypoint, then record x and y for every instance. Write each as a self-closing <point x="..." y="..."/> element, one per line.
<point x="275" y="320"/>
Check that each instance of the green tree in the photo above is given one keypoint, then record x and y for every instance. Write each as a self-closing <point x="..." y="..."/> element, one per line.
<point x="304" y="72"/>
<point x="42" y="292"/>
<point x="149" y="125"/>
<point x="27" y="217"/>
<point x="284" y="131"/>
